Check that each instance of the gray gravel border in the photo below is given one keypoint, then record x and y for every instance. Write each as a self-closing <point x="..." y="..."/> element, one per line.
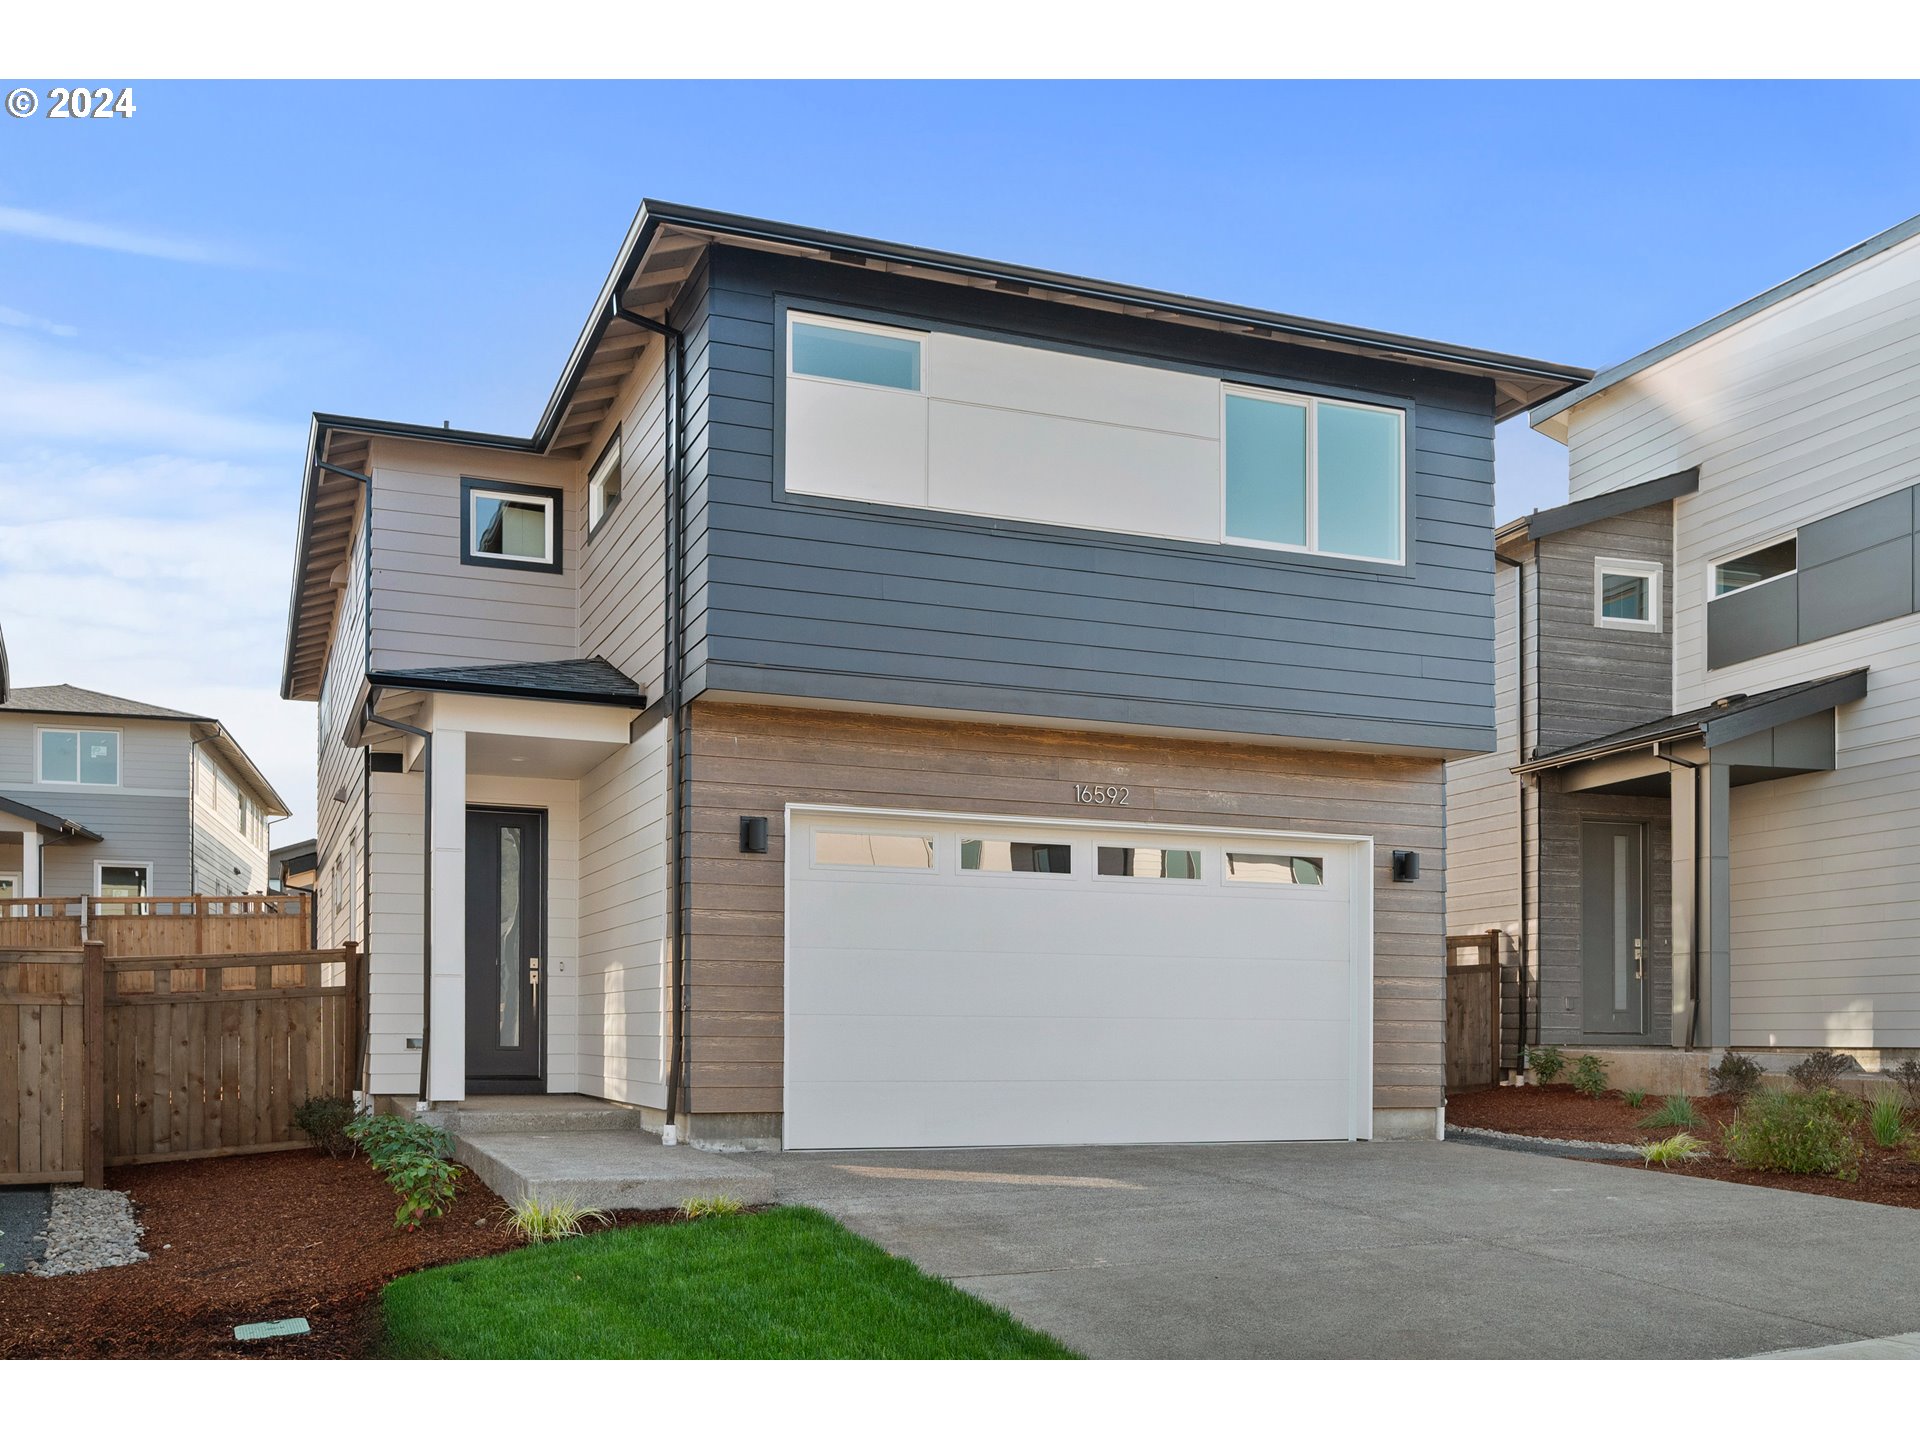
<point x="1537" y="1145"/>
<point x="89" y="1230"/>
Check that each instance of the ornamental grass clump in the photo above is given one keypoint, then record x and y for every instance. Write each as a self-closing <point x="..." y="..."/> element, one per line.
<point x="1675" y="1147"/>
<point x="537" y="1221"/>
<point x="1798" y="1133"/>
<point x="1674" y="1110"/>
<point x="1887" y="1122"/>
<point x="1634" y="1098"/>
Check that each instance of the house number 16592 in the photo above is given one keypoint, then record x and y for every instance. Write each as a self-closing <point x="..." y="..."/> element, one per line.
<point x="1101" y="794"/>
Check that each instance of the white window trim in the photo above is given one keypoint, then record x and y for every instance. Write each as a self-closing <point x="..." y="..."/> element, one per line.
<point x="119" y="755"/>
<point x="1649" y="570"/>
<point x="863" y="327"/>
<point x="597" y="508"/>
<point x="101" y="865"/>
<point x="1713" y="566"/>
<point x="548" y="531"/>
<point x="14" y="876"/>
<point x="1312" y="403"/>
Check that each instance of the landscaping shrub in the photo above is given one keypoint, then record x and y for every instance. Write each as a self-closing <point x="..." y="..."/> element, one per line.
<point x="1634" y="1098"/>
<point x="1735" y="1075"/>
<point x="1546" y="1061"/>
<point x="1674" y="1110"/>
<point x="1805" y="1133"/>
<point x="537" y="1223"/>
<point x="1819" y="1070"/>
<point x="411" y="1156"/>
<point x="325" y="1119"/>
<point x="1907" y="1076"/>
<point x="1888" y="1122"/>
<point x="1675" y="1147"/>
<point x="1589" y="1076"/>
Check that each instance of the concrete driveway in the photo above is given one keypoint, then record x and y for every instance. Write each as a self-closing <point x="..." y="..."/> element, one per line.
<point x="1381" y="1250"/>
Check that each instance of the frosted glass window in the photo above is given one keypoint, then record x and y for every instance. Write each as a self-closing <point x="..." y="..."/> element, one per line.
<point x="1266" y="462"/>
<point x="1147" y="862"/>
<point x="898" y="852"/>
<point x="863" y="357"/>
<point x="1357" y="481"/>
<point x="1016" y="857"/>
<point x="1276" y="869"/>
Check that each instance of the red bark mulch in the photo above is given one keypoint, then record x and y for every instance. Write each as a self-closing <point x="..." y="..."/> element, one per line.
<point x="1887" y="1177"/>
<point x="242" y="1239"/>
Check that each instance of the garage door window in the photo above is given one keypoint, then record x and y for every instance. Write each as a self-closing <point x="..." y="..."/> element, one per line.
<point x="893" y="852"/>
<point x="1024" y="857"/>
<point x="1149" y="862"/>
<point x="1276" y="869"/>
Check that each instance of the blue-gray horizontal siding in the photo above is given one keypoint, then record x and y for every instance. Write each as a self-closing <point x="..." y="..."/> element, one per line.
<point x="807" y="597"/>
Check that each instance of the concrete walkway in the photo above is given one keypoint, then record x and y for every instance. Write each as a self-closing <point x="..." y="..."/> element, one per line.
<point x="1385" y="1250"/>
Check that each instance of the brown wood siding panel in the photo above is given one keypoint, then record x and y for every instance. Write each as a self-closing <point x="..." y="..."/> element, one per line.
<point x="756" y="760"/>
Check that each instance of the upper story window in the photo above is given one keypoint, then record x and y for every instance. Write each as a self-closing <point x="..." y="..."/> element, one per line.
<point x="859" y="354"/>
<point x="603" y="484"/>
<point x="80" y="757"/>
<point x="1756" y="567"/>
<point x="1626" y="594"/>
<point x="513" y="526"/>
<point x="1302" y="473"/>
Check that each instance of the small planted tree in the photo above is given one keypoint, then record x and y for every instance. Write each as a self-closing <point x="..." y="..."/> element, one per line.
<point x="1736" y="1075"/>
<point x="1819" y="1071"/>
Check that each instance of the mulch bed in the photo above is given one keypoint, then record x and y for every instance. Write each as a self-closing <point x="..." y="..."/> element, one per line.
<point x="246" y="1238"/>
<point x="1887" y="1177"/>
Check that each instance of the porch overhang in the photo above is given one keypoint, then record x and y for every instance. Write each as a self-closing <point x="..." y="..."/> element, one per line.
<point x="1766" y="736"/>
<point x="19" y="817"/>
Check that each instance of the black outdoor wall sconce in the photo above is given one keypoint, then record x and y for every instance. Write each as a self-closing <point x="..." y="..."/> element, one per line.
<point x="1406" y="865"/>
<point x="753" y="834"/>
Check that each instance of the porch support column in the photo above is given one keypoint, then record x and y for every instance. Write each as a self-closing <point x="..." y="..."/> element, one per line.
<point x="447" y="918"/>
<point x="30" y="867"/>
<point x="1702" y="907"/>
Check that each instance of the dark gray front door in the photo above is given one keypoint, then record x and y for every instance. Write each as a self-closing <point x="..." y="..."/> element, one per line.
<point x="1613" y="932"/>
<point x="506" y="926"/>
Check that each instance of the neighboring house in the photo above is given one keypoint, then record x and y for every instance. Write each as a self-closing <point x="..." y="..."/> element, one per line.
<point x="894" y="698"/>
<point x="1719" y="663"/>
<point x="293" y="867"/>
<point x="105" y="796"/>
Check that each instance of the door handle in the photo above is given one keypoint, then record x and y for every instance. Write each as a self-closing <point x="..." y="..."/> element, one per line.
<point x="533" y="970"/>
<point x="1639" y="959"/>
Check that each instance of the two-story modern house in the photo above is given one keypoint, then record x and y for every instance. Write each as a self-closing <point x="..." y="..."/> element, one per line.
<point x="900" y="699"/>
<point x="1699" y="826"/>
<point x="105" y="796"/>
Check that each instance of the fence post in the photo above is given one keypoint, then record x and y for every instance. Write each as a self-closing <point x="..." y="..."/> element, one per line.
<point x="1495" y="940"/>
<point x="356" y="1013"/>
<point x="93" y="1039"/>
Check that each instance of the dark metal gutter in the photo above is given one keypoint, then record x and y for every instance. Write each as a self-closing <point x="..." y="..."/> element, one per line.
<point x="401" y="680"/>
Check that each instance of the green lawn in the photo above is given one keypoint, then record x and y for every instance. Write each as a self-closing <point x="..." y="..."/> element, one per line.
<point x="786" y="1284"/>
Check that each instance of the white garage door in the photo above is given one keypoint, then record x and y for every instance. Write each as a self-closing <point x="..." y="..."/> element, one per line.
<point x="955" y="982"/>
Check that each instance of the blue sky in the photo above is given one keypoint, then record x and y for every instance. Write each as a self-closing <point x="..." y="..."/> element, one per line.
<point x="180" y="289"/>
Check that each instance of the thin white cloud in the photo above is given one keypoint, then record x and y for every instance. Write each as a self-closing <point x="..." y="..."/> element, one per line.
<point x="61" y="230"/>
<point x="20" y="320"/>
<point x="47" y="396"/>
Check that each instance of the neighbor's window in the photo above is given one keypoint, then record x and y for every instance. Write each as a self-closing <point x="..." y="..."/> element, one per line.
<point x="1148" y="862"/>
<point x="517" y="526"/>
<point x="1026" y="857"/>
<point x="1626" y="594"/>
<point x="898" y="852"/>
<point x="1769" y="562"/>
<point x="119" y="882"/>
<point x="603" y="484"/>
<point x="858" y="354"/>
<point x="1276" y="869"/>
<point x="80" y="757"/>
<point x="1302" y="473"/>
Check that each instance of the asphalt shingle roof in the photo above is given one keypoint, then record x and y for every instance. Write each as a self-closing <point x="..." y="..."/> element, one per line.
<point x="591" y="680"/>
<point x="72" y="700"/>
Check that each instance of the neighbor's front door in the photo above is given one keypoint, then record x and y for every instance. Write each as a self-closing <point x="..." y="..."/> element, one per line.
<point x="506" y="920"/>
<point x="1613" y="931"/>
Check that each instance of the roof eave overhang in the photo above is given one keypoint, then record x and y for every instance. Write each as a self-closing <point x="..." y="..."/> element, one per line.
<point x="381" y="681"/>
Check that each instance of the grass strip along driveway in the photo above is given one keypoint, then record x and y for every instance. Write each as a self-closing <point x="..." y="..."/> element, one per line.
<point x="784" y="1284"/>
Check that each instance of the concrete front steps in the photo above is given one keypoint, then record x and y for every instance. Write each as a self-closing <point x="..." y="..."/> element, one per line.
<point x="573" y="1147"/>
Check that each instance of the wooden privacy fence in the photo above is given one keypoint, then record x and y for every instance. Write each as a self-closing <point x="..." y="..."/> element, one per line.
<point x="1473" y="1010"/>
<point x="160" y="924"/>
<point x="123" y="1061"/>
